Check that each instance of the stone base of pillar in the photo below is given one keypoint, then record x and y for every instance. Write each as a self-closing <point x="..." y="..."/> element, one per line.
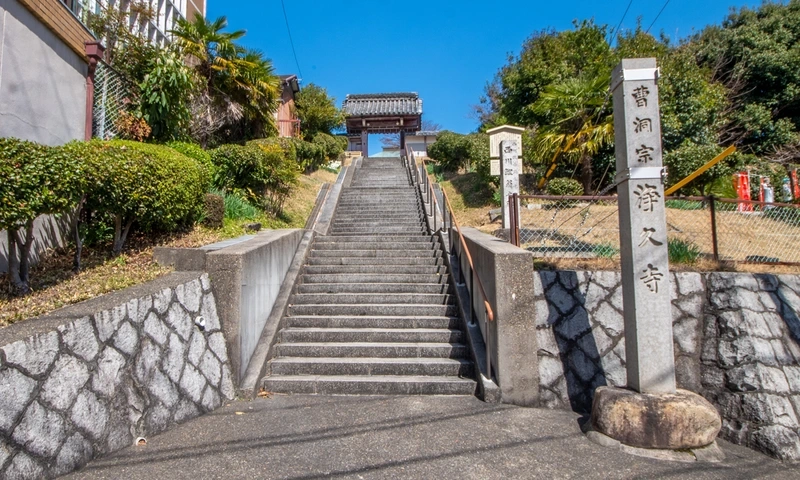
<point x="680" y="426"/>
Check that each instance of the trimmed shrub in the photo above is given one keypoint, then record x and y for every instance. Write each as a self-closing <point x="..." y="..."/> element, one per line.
<point x="203" y="158"/>
<point x="152" y="185"/>
<point x="260" y="173"/>
<point x="213" y="211"/>
<point x="564" y="187"/>
<point x="37" y="180"/>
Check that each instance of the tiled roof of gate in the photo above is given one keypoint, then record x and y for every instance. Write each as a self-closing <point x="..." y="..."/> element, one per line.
<point x="382" y="104"/>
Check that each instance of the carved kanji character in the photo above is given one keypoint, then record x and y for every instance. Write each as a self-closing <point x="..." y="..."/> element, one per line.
<point x="641" y="94"/>
<point x="642" y="124"/>
<point x="646" y="197"/>
<point x="651" y="277"/>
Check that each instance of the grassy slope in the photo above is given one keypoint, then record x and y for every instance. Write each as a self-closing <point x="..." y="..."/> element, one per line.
<point x="56" y="286"/>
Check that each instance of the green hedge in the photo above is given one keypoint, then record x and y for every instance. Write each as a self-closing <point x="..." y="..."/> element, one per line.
<point x="154" y="186"/>
<point x="203" y="158"/>
<point x="36" y="180"/>
<point x="564" y="187"/>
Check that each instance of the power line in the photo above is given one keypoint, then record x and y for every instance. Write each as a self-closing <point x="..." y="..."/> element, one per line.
<point x="291" y="41"/>
<point x="611" y="39"/>
<point x="659" y="14"/>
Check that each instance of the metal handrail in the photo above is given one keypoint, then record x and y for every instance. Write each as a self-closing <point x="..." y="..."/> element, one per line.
<point x="453" y="221"/>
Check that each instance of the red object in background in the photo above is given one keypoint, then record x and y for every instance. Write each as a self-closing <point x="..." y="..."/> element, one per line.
<point x="743" y="191"/>
<point x="760" y="189"/>
<point x="795" y="186"/>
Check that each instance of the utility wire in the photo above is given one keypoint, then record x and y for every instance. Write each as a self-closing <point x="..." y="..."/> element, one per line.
<point x="659" y="14"/>
<point x="291" y="41"/>
<point x="611" y="35"/>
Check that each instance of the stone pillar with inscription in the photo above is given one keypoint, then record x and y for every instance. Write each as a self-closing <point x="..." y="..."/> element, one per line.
<point x="651" y="413"/>
<point x="509" y="178"/>
<point x="640" y="178"/>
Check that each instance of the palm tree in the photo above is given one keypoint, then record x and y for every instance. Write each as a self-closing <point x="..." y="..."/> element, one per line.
<point x="580" y="123"/>
<point x="239" y="89"/>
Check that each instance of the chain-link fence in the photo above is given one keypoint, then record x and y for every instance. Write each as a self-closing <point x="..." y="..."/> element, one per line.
<point x="112" y="95"/>
<point x="697" y="227"/>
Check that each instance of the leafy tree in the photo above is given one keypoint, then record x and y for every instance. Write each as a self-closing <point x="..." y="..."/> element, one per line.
<point x="688" y="157"/>
<point x="548" y="57"/>
<point x="317" y="111"/>
<point x="238" y="88"/>
<point x="164" y="102"/>
<point x="754" y="53"/>
<point x="579" y="122"/>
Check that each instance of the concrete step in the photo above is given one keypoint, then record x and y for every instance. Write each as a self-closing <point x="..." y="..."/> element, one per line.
<point x="376" y="238"/>
<point x="369" y="385"/>
<point x="373" y="230"/>
<point x="349" y="321"/>
<point x="369" y="335"/>
<point x="362" y="217"/>
<point x="386" y="243"/>
<point x="427" y="288"/>
<point x="374" y="261"/>
<point x="390" y="309"/>
<point x="376" y="349"/>
<point x="384" y="269"/>
<point x="360" y="278"/>
<point x="371" y="366"/>
<point x="432" y="253"/>
<point x="378" y="223"/>
<point x="371" y="299"/>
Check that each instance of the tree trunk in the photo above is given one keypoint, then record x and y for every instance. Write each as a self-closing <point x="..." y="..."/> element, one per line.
<point x="76" y="229"/>
<point x="25" y="256"/>
<point x="120" y="234"/>
<point x="18" y="263"/>
<point x="13" y="260"/>
<point x="586" y="174"/>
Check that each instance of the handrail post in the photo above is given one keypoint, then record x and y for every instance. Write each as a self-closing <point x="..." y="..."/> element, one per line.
<point x="714" y="239"/>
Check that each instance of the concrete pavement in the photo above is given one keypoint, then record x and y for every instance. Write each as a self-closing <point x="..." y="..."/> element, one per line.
<point x="431" y="437"/>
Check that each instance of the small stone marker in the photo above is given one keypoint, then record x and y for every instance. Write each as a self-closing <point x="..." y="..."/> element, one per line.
<point x="643" y="228"/>
<point x="498" y="135"/>
<point x="509" y="180"/>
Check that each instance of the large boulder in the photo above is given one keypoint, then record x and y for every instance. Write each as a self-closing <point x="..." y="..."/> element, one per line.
<point x="679" y="420"/>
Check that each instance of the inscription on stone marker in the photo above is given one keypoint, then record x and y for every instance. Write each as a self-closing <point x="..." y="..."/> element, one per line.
<point x="509" y="181"/>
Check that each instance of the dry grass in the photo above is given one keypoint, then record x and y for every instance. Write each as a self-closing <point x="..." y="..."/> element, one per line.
<point x="54" y="284"/>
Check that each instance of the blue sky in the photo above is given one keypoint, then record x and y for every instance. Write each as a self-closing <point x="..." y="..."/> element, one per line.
<point x="444" y="50"/>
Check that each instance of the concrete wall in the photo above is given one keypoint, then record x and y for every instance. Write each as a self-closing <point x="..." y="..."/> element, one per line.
<point x="89" y="379"/>
<point x="736" y="337"/>
<point x="505" y="272"/>
<point x="247" y="278"/>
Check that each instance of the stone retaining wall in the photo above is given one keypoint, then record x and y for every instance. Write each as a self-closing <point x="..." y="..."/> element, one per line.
<point x="91" y="378"/>
<point x="737" y="342"/>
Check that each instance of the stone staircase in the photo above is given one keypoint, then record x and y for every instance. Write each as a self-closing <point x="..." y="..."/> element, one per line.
<point x="371" y="312"/>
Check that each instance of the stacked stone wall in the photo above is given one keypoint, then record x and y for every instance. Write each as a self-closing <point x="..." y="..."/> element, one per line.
<point x="80" y="386"/>
<point x="736" y="338"/>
